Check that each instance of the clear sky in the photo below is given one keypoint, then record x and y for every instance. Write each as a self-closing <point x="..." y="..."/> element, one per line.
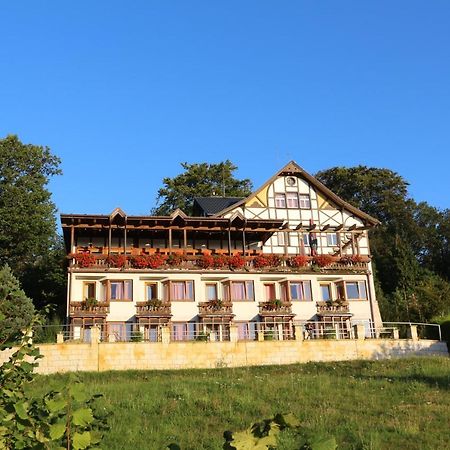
<point x="123" y="91"/>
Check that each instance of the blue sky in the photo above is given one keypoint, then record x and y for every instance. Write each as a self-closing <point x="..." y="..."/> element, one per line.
<point x="123" y="92"/>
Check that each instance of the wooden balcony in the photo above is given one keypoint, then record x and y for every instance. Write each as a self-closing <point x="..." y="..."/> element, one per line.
<point x="80" y="309"/>
<point x="275" y="308"/>
<point x="333" y="309"/>
<point x="215" y="308"/>
<point x="216" y="261"/>
<point x="153" y="309"/>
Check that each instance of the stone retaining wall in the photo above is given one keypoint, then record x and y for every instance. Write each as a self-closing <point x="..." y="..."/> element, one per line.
<point x="64" y="357"/>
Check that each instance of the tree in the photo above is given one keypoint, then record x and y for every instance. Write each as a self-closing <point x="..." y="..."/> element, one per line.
<point x="16" y="309"/>
<point x="411" y="240"/>
<point x="199" y="180"/>
<point x="27" y="215"/>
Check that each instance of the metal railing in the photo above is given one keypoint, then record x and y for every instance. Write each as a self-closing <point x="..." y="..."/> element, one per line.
<point x="209" y="332"/>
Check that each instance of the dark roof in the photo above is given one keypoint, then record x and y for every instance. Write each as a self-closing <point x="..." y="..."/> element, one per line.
<point x="207" y="206"/>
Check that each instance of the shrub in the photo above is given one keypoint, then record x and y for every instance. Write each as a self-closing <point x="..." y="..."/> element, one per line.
<point x="298" y="261"/>
<point x="236" y="261"/>
<point x="323" y="260"/>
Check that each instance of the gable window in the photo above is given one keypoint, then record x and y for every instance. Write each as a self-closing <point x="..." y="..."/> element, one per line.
<point x="305" y="201"/>
<point x="356" y="290"/>
<point x="332" y="240"/>
<point x="239" y="291"/>
<point x="89" y="289"/>
<point x="119" y="290"/>
<point x="280" y="201"/>
<point x="292" y="200"/>
<point x="151" y="291"/>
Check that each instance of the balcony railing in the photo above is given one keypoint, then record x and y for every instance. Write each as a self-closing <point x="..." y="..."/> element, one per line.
<point x="275" y="307"/>
<point x="331" y="308"/>
<point x="81" y="309"/>
<point x="153" y="309"/>
<point x="215" y="308"/>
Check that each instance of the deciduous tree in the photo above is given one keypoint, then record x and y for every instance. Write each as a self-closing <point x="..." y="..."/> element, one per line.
<point x="199" y="180"/>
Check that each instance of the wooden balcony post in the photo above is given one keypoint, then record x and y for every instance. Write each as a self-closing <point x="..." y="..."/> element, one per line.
<point x="72" y="239"/>
<point x="109" y="239"/>
<point x="170" y="241"/>
<point x="125" y="239"/>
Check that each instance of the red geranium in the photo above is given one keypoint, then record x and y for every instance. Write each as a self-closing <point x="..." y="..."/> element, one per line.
<point x="298" y="261"/>
<point x="236" y="261"/>
<point x="205" y="261"/>
<point x="323" y="260"/>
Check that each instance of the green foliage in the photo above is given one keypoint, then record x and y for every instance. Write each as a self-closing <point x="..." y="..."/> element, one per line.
<point x="66" y="417"/>
<point x="16" y="309"/>
<point x="27" y="222"/>
<point x="28" y="240"/>
<point x="265" y="435"/>
<point x="412" y="241"/>
<point x="199" y="180"/>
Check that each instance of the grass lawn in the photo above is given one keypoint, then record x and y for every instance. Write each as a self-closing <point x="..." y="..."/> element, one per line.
<point x="392" y="404"/>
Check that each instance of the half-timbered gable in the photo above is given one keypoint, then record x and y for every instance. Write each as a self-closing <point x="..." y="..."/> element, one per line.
<point x="310" y="212"/>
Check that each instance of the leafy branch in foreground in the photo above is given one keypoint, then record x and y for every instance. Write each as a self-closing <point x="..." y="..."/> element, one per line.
<point x="65" y="418"/>
<point x="264" y="435"/>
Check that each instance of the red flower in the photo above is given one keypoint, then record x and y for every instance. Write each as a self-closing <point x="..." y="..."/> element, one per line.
<point x="220" y="261"/>
<point x="323" y="260"/>
<point x="205" y="261"/>
<point x="261" y="261"/>
<point x="84" y="259"/>
<point x="236" y="261"/>
<point x="119" y="261"/>
<point x="298" y="261"/>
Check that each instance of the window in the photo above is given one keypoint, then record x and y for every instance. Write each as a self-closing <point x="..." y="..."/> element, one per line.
<point x="151" y="291"/>
<point x="300" y="291"/>
<point x="356" y="290"/>
<point x="119" y="290"/>
<point x="239" y="291"/>
<point x="88" y="289"/>
<point x="280" y="201"/>
<point x="332" y="240"/>
<point x="211" y="291"/>
<point x="306" y="240"/>
<point x="292" y="199"/>
<point x="281" y="235"/>
<point x="179" y="290"/>
<point x="305" y="201"/>
<point x="325" y="290"/>
<point x="270" y="291"/>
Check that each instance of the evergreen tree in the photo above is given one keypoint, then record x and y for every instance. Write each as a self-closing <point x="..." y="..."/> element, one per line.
<point x="16" y="309"/>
